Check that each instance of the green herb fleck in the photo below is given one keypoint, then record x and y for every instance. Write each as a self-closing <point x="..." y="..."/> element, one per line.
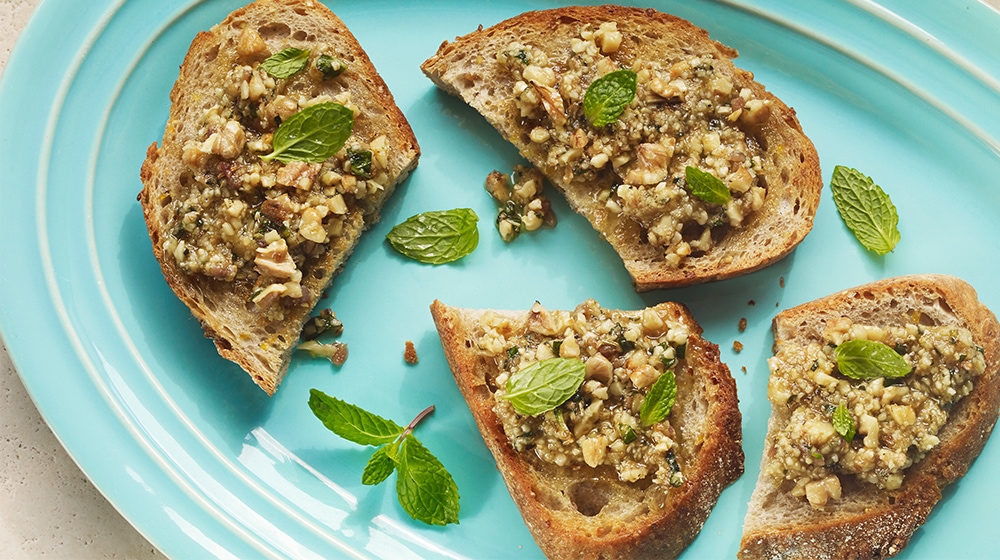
<point x="676" y="479"/>
<point x="866" y="209"/>
<point x="868" y="359"/>
<point x="607" y="97"/>
<point x="330" y="67"/>
<point x="671" y="361"/>
<point x="628" y="434"/>
<point x="544" y="385"/>
<point x="314" y="134"/>
<point x="618" y="331"/>
<point x="437" y="237"/>
<point x="361" y="163"/>
<point x="510" y="212"/>
<point x="843" y="422"/>
<point x="323" y="322"/>
<point x="286" y="63"/>
<point x="424" y="488"/>
<point x="706" y="186"/>
<point x="659" y="400"/>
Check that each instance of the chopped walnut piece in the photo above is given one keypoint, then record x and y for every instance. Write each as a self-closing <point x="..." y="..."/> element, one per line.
<point x="552" y="102"/>
<point x="410" y="353"/>
<point x="274" y="260"/>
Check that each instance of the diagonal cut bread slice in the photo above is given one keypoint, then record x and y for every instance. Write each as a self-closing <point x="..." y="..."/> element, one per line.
<point x="590" y="479"/>
<point x="875" y="517"/>
<point x="250" y="244"/>
<point x="528" y="77"/>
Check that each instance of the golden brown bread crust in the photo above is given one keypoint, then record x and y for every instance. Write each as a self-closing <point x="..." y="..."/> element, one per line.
<point x="467" y="67"/>
<point x="868" y="523"/>
<point x="710" y="463"/>
<point x="263" y="347"/>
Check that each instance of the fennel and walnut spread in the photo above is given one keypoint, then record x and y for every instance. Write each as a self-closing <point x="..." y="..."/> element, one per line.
<point x="685" y="113"/>
<point x="624" y="353"/>
<point x="239" y="218"/>
<point x="897" y="420"/>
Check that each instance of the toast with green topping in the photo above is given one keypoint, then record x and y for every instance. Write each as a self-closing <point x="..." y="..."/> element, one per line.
<point x="881" y="396"/>
<point x="282" y="145"/>
<point x="615" y="431"/>
<point x="685" y="164"/>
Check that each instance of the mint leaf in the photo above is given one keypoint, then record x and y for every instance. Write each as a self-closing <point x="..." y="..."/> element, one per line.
<point x="868" y="359"/>
<point x="706" y="186"/>
<point x="843" y="423"/>
<point x="544" y="385"/>
<point x="380" y="465"/>
<point x="437" y="237"/>
<point x="866" y="209"/>
<point x="659" y="400"/>
<point x="352" y="422"/>
<point x="286" y="63"/>
<point x="425" y="489"/>
<point x="314" y="134"/>
<point x="607" y="97"/>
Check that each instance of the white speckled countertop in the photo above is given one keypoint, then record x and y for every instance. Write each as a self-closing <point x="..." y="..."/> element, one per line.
<point x="48" y="508"/>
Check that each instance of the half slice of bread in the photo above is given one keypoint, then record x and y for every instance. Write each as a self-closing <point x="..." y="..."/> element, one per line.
<point x="920" y="317"/>
<point x="529" y="77"/>
<point x="249" y="244"/>
<point x="590" y="479"/>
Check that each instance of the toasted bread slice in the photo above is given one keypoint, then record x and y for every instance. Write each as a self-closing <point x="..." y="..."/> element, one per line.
<point x="591" y="480"/>
<point x="876" y="517"/>
<point x="249" y="245"/>
<point x="528" y="76"/>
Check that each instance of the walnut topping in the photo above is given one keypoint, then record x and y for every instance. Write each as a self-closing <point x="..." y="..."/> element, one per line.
<point x="259" y="223"/>
<point x="273" y="260"/>
<point x="689" y="111"/>
<point x="896" y="425"/>
<point x="623" y="353"/>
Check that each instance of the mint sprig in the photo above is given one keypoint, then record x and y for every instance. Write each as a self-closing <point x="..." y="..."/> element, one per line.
<point x="659" y="400"/>
<point x="868" y="359"/>
<point x="706" y="186"/>
<point x="544" y="385"/>
<point x="866" y="209"/>
<point x="437" y="237"/>
<point x="424" y="488"/>
<point x="607" y="97"/>
<point x="286" y="63"/>
<point x="314" y="134"/>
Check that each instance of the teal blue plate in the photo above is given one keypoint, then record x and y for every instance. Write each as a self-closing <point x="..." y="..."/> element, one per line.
<point x="205" y="465"/>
